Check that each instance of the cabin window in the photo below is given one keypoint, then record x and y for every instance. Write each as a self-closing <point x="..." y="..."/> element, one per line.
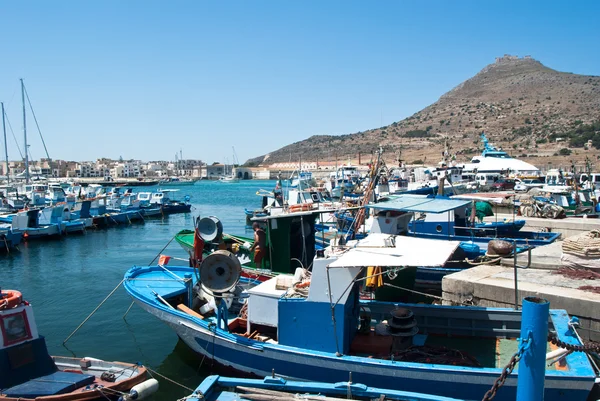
<point x="15" y="328"/>
<point x="438" y="228"/>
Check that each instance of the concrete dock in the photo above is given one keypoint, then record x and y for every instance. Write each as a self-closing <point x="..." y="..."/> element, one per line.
<point x="542" y="257"/>
<point x="567" y="227"/>
<point x="493" y="286"/>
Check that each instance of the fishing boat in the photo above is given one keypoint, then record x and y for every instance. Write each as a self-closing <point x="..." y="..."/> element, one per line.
<point x="310" y="327"/>
<point x="176" y="182"/>
<point x="342" y="181"/>
<point x="273" y="388"/>
<point x="208" y="237"/>
<point x="12" y="201"/>
<point x="48" y="222"/>
<point x="162" y="199"/>
<point x="302" y="179"/>
<point x="438" y="218"/>
<point x="9" y="238"/>
<point x="495" y="161"/>
<point x="30" y="373"/>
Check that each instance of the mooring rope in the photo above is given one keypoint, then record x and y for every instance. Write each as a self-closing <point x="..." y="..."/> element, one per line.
<point x="151" y="371"/>
<point x="94" y="311"/>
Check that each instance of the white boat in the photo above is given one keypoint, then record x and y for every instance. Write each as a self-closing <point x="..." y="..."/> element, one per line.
<point x="230" y="177"/>
<point x="496" y="161"/>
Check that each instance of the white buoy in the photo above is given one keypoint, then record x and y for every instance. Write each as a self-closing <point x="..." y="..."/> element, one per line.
<point x="141" y="391"/>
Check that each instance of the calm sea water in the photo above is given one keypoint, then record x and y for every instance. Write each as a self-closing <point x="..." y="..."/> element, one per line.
<point x="66" y="279"/>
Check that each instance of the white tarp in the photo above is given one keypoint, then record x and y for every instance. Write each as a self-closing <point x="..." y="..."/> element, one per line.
<point x="408" y="251"/>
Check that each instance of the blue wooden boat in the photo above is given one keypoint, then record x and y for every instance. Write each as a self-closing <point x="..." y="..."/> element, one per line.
<point x="9" y="239"/>
<point x="43" y="223"/>
<point x="29" y="373"/>
<point x="277" y="388"/>
<point x="503" y="229"/>
<point x="438" y="217"/>
<point x="162" y="199"/>
<point x="103" y="216"/>
<point x="327" y="331"/>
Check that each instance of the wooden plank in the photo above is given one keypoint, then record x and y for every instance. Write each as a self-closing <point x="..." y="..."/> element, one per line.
<point x="183" y="308"/>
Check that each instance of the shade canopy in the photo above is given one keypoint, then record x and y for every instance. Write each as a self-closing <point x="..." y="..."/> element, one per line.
<point x="375" y="250"/>
<point x="420" y="204"/>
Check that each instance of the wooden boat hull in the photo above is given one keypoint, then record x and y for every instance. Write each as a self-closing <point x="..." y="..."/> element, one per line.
<point x="81" y="394"/>
<point x="275" y="388"/>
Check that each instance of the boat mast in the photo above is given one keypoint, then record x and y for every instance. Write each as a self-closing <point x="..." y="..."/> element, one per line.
<point x="5" y="144"/>
<point x="25" y="133"/>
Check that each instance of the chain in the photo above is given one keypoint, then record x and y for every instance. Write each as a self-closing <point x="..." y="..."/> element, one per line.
<point x="572" y="347"/>
<point x="503" y="376"/>
<point x="507" y="370"/>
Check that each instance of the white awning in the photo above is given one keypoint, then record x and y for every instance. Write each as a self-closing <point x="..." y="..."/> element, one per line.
<point x="408" y="251"/>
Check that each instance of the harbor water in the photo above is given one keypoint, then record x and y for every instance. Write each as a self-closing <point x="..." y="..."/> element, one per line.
<point x="65" y="279"/>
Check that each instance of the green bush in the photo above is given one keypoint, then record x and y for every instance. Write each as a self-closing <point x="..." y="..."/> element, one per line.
<point x="564" y="152"/>
<point x="419" y="133"/>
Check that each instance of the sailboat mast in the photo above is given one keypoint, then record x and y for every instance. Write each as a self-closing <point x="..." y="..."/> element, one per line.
<point x="5" y="144"/>
<point x="25" y="133"/>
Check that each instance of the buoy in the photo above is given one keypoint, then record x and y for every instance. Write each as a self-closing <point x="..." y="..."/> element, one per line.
<point x="10" y="298"/>
<point x="141" y="391"/>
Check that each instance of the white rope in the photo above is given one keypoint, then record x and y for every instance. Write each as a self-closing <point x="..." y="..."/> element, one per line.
<point x="166" y="378"/>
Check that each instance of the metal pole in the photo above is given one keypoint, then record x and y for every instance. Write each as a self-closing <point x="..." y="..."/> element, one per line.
<point x="5" y="145"/>
<point x="25" y="133"/>
<point x="534" y="334"/>
<point x="515" y="267"/>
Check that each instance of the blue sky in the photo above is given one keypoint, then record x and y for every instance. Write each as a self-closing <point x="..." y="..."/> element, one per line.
<point x="144" y="79"/>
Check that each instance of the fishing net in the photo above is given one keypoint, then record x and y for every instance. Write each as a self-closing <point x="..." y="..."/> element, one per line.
<point x="578" y="274"/>
<point x="436" y="354"/>
<point x="586" y="245"/>
<point x="590" y="288"/>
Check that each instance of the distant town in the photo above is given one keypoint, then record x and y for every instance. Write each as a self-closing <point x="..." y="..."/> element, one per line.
<point x="108" y="169"/>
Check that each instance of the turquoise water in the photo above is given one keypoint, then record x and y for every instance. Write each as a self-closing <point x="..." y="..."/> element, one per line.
<point x="66" y="279"/>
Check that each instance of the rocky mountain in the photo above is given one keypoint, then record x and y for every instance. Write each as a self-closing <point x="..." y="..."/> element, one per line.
<point x="523" y="106"/>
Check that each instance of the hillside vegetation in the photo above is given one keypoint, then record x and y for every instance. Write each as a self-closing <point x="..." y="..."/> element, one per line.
<point x="528" y="109"/>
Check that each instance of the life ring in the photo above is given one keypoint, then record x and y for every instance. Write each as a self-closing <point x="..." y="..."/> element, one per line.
<point x="10" y="299"/>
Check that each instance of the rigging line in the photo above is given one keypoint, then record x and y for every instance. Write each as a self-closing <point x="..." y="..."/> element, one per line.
<point x="36" y="121"/>
<point x="13" y="134"/>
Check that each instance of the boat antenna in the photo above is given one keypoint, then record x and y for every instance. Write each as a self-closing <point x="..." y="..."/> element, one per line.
<point x="25" y="132"/>
<point x="5" y="144"/>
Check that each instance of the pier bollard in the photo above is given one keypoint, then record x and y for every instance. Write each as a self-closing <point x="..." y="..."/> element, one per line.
<point x="534" y="334"/>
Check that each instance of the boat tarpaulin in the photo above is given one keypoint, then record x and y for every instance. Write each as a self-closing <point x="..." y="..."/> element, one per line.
<point x="492" y="197"/>
<point x="422" y="205"/>
<point x="408" y="251"/>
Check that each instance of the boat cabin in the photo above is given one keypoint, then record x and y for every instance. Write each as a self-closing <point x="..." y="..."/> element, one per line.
<point x="305" y="197"/>
<point x="162" y="197"/>
<point x="486" y="179"/>
<point x="290" y="240"/>
<point x="420" y="214"/>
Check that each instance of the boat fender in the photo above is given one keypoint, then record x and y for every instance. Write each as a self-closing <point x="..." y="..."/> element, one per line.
<point x="141" y="391"/>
